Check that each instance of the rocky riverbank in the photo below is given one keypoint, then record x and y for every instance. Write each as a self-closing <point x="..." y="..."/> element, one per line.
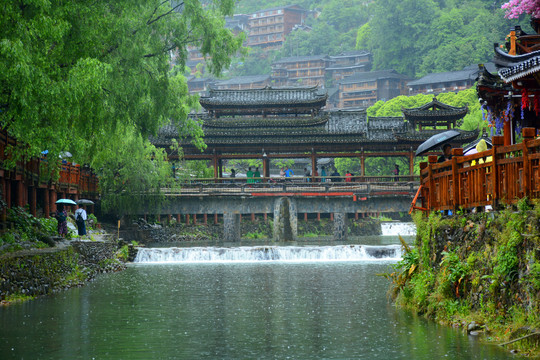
<point x="31" y="273"/>
<point x="478" y="272"/>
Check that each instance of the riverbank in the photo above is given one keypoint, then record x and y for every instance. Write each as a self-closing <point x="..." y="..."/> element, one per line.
<point x="28" y="274"/>
<point x="477" y="272"/>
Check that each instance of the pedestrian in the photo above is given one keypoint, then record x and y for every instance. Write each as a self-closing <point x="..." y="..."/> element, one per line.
<point x="80" y="220"/>
<point x="61" y="217"/>
<point x="396" y="172"/>
<point x="249" y="176"/>
<point x="323" y="174"/>
<point x="288" y="172"/>
<point x="335" y="176"/>
<point x="257" y="175"/>
<point x="281" y="173"/>
<point x="307" y="174"/>
<point x="447" y="153"/>
<point x="348" y="177"/>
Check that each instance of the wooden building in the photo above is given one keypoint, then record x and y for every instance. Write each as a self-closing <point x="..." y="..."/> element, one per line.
<point x="269" y="27"/>
<point x="300" y="71"/>
<point x="365" y="89"/>
<point x="200" y="85"/>
<point x="347" y="64"/>
<point x="450" y="81"/>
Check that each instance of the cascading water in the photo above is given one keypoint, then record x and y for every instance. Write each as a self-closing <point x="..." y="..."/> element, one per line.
<point x="398" y="228"/>
<point x="270" y="253"/>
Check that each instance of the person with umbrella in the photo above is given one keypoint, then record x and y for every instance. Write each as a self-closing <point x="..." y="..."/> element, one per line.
<point x="61" y="217"/>
<point x="80" y="220"/>
<point x="447" y="153"/>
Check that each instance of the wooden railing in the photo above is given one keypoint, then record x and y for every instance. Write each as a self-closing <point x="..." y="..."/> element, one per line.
<point x="71" y="176"/>
<point x="501" y="175"/>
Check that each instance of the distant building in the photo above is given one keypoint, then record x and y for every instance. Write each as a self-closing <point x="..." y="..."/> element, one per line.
<point x="348" y="63"/>
<point x="300" y="71"/>
<point x="200" y="85"/>
<point x="268" y="28"/>
<point x="244" y="82"/>
<point x="450" y="81"/>
<point x="237" y="23"/>
<point x="365" y="89"/>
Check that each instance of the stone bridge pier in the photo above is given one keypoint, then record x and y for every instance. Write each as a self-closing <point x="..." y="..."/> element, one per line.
<point x="285" y="219"/>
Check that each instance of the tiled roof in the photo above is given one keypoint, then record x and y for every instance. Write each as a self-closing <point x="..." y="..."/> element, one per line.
<point x="514" y="67"/>
<point x="301" y="58"/>
<point x="265" y="96"/>
<point x="444" y="77"/>
<point x="372" y="75"/>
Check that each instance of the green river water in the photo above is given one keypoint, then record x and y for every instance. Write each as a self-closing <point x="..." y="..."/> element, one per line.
<point x="291" y="308"/>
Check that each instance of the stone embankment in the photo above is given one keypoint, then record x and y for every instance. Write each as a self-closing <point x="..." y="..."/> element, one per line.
<point x="31" y="273"/>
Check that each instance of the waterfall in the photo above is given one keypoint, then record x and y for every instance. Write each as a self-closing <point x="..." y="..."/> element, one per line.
<point x="398" y="228"/>
<point x="270" y="253"/>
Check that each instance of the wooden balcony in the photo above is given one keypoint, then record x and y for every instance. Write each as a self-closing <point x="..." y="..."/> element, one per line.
<point x="501" y="175"/>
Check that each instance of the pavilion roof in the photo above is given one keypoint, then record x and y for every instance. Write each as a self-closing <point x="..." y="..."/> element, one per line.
<point x="434" y="112"/>
<point x="265" y="100"/>
<point x="515" y="67"/>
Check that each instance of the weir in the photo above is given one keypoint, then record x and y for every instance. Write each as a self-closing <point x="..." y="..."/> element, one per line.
<point x="269" y="253"/>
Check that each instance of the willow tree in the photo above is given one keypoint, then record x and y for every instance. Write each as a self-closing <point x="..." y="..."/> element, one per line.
<point x="93" y="78"/>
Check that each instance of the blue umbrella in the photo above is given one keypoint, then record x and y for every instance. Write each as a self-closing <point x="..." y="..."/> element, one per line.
<point x="66" y="202"/>
<point x="436" y="141"/>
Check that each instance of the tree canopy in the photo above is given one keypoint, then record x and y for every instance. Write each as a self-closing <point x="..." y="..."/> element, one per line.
<point x="94" y="79"/>
<point x="417" y="37"/>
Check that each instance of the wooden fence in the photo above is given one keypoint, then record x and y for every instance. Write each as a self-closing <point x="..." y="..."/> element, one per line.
<point x="501" y="175"/>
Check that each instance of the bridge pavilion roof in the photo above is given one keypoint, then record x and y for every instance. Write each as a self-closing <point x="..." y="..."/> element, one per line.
<point x="264" y="101"/>
<point x="434" y="113"/>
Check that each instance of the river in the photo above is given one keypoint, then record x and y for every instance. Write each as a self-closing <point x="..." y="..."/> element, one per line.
<point x="306" y="301"/>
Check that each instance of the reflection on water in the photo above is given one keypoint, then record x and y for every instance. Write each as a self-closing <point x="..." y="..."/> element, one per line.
<point x="311" y="310"/>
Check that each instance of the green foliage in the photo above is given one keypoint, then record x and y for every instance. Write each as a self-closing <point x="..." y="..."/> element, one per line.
<point x="94" y="78"/>
<point x="452" y="273"/>
<point x="255" y="235"/>
<point x="417" y="37"/>
<point x="27" y="231"/>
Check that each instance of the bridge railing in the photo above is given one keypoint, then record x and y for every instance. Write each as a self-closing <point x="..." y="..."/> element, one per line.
<point x="292" y="187"/>
<point x="503" y="174"/>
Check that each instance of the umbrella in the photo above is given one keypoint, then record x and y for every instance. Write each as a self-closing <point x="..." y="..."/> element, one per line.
<point x="470" y="152"/>
<point x="66" y="201"/>
<point x="85" y="202"/>
<point x="436" y="141"/>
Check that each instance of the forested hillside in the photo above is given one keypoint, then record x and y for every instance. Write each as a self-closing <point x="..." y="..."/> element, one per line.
<point x="414" y="37"/>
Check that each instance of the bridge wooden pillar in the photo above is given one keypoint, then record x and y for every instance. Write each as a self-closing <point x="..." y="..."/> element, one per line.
<point x="363" y="164"/>
<point x="266" y="167"/>
<point x="411" y="162"/>
<point x="313" y="165"/>
<point x="215" y="165"/>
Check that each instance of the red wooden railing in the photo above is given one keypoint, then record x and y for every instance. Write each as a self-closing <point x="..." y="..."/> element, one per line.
<point x="71" y="176"/>
<point x="501" y="175"/>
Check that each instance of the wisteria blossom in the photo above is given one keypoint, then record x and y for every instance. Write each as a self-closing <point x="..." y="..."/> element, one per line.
<point x="514" y="8"/>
